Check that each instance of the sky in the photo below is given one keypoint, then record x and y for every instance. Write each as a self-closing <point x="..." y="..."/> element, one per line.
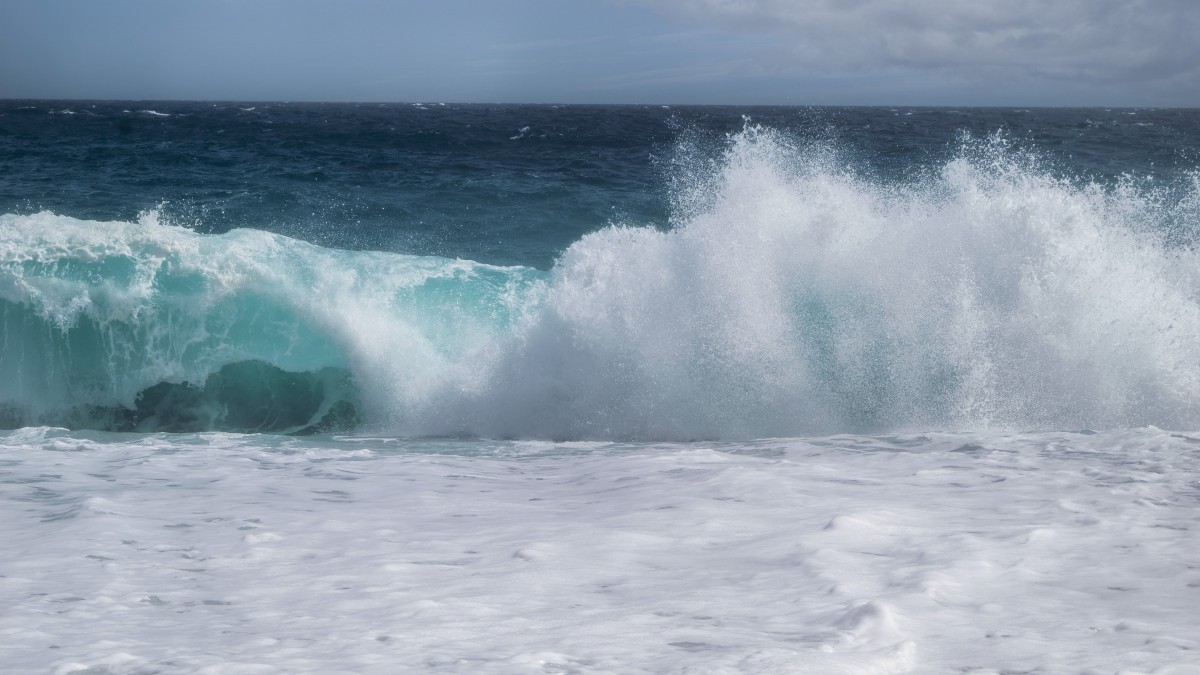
<point x="805" y="52"/>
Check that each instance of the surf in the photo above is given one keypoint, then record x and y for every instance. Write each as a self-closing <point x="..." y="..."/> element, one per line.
<point x="791" y="294"/>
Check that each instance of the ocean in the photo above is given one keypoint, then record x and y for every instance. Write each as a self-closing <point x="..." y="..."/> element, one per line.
<point x="383" y="388"/>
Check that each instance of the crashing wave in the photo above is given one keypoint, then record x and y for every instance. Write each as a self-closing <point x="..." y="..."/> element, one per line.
<point x="791" y="297"/>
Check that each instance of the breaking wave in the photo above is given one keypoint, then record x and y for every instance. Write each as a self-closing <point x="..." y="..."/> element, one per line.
<point x="792" y="296"/>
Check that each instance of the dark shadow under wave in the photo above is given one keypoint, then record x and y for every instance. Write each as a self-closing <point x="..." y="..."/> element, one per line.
<point x="246" y="397"/>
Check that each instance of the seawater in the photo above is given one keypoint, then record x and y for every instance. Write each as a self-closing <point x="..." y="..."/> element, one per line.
<point x="592" y="272"/>
<point x="596" y="389"/>
<point x="909" y="553"/>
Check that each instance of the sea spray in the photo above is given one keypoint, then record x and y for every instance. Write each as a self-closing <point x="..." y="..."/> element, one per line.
<point x="800" y="298"/>
<point x="793" y="295"/>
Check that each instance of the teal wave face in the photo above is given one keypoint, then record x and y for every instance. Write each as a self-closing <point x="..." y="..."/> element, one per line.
<point x="105" y="324"/>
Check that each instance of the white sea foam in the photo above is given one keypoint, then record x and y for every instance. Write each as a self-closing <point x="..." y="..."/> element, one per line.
<point x="939" y="553"/>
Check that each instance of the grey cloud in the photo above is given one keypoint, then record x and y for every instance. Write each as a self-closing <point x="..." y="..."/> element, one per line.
<point x="1093" y="41"/>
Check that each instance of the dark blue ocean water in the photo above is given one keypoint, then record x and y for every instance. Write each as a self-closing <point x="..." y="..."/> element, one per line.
<point x="499" y="184"/>
<point x="609" y="272"/>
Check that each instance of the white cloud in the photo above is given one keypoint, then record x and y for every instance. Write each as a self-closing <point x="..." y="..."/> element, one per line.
<point x="1095" y="42"/>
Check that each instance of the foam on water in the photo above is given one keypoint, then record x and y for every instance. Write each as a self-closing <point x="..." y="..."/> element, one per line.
<point x="936" y="553"/>
<point x="792" y="296"/>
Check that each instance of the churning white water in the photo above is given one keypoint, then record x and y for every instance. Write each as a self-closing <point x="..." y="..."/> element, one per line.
<point x="936" y="553"/>
<point x="794" y="296"/>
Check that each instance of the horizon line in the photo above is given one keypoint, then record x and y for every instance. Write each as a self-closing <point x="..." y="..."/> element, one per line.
<point x="414" y="103"/>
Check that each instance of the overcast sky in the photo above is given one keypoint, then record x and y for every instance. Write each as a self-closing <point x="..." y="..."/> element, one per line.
<point x="872" y="52"/>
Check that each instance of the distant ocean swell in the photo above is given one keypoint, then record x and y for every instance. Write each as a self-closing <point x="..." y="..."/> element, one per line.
<point x="792" y="296"/>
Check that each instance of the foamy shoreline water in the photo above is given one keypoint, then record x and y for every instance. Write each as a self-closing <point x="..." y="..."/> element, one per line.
<point x="933" y="553"/>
